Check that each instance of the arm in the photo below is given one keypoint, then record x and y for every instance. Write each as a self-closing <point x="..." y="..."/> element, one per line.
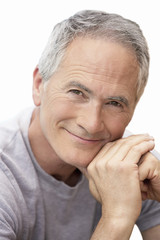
<point x="114" y="181"/>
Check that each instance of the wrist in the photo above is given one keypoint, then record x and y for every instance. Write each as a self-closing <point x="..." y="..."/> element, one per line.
<point x="119" y="226"/>
<point x="113" y="229"/>
<point x="120" y="215"/>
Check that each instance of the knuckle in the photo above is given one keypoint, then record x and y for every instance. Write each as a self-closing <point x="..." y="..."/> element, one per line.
<point x="111" y="166"/>
<point x="124" y="167"/>
<point x="95" y="167"/>
<point x="100" y="166"/>
<point x="90" y="169"/>
<point x="136" y="149"/>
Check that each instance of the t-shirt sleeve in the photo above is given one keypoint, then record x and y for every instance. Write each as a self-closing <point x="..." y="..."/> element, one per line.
<point x="150" y="215"/>
<point x="10" y="215"/>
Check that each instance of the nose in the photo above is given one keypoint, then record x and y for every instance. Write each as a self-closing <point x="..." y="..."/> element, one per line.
<point x="90" y="118"/>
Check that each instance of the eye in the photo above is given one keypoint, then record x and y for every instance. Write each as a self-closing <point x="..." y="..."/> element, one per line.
<point x="76" y="92"/>
<point x="114" y="104"/>
<point x="77" y="95"/>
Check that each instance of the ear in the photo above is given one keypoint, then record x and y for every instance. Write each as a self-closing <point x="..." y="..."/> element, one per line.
<point x="37" y="87"/>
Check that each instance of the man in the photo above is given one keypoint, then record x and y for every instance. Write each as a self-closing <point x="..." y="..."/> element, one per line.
<point x="86" y="86"/>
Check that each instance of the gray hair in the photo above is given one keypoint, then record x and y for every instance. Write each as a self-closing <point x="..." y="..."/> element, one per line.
<point x="96" y="24"/>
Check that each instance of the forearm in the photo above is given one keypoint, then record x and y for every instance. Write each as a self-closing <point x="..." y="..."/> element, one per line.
<point x="112" y="230"/>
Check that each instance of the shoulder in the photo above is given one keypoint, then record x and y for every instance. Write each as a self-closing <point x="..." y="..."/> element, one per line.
<point x="12" y="131"/>
<point x="8" y="130"/>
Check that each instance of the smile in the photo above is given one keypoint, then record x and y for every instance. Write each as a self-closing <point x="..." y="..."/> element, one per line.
<point x="84" y="140"/>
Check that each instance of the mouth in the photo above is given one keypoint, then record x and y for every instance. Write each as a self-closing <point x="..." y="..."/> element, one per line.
<point x="84" y="140"/>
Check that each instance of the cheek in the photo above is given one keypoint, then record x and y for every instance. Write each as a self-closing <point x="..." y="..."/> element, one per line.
<point x="117" y="131"/>
<point x="117" y="125"/>
<point x="62" y="110"/>
<point x="56" y="111"/>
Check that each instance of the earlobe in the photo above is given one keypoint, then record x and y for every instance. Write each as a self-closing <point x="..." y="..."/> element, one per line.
<point x="37" y="87"/>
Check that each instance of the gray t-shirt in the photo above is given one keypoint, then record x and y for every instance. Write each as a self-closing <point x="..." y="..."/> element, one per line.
<point x="35" y="206"/>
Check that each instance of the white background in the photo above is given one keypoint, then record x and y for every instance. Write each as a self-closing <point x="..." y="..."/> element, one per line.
<point x="24" y="30"/>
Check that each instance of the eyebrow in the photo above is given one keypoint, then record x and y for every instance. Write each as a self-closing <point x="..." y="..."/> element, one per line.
<point x="112" y="98"/>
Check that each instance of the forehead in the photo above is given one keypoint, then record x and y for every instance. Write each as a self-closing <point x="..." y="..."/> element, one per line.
<point x="100" y="57"/>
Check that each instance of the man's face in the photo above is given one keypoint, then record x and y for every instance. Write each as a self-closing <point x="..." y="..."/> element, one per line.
<point x="90" y="100"/>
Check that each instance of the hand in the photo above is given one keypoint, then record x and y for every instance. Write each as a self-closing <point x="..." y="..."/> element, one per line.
<point x="114" y="178"/>
<point x="149" y="174"/>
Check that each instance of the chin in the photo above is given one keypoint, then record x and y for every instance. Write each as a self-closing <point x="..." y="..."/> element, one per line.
<point x="81" y="162"/>
<point x="79" y="158"/>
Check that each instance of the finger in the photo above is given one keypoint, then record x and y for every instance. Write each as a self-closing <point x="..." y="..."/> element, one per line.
<point x="119" y="150"/>
<point x="128" y="142"/>
<point x="137" y="151"/>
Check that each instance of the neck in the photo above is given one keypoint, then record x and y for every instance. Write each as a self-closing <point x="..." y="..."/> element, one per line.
<point x="46" y="157"/>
